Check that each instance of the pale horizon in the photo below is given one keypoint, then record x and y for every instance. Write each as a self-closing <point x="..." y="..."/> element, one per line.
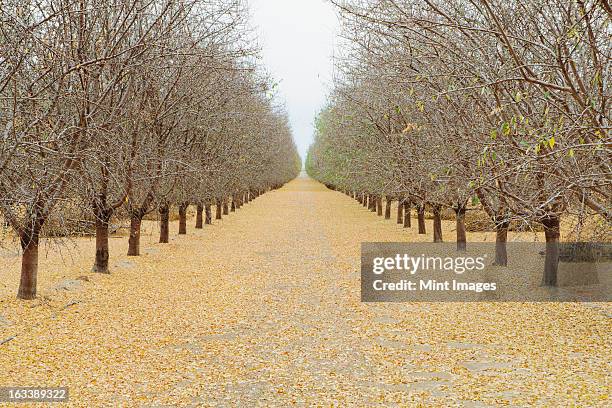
<point x="297" y="39"/>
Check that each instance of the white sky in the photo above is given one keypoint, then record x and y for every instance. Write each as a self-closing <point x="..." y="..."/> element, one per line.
<point x="297" y="37"/>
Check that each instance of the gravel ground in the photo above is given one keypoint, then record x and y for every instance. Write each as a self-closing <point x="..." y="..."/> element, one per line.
<point x="263" y="309"/>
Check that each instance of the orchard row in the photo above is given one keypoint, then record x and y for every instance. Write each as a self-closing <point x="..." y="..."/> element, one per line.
<point x="122" y="108"/>
<point x="501" y="106"/>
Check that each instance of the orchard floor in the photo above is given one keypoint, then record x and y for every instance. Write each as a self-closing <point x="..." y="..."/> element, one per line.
<point x="263" y="309"/>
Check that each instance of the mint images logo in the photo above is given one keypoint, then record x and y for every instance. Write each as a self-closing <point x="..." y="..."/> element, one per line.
<point x="413" y="264"/>
<point x="437" y="272"/>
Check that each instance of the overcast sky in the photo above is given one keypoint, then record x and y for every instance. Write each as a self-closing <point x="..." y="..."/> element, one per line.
<point x="297" y="37"/>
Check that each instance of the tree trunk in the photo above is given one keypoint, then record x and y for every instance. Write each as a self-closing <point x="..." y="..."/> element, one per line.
<point x="134" y="241"/>
<point x="437" y="223"/>
<point x="225" y="207"/>
<point x="29" y="268"/>
<point x="501" y="238"/>
<point x="421" y="216"/>
<point x="164" y="224"/>
<point x="102" y="254"/>
<point x="218" y="210"/>
<point x="551" y="263"/>
<point x="407" y="215"/>
<point x="400" y="212"/>
<point x="379" y="211"/>
<point x="233" y="204"/>
<point x="461" y="236"/>
<point x="183" y="218"/>
<point x="199" y="220"/>
<point x="208" y="212"/>
<point x="388" y="208"/>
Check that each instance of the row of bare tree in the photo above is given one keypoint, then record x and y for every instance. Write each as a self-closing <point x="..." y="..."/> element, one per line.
<point x="501" y="105"/>
<point x="125" y="107"/>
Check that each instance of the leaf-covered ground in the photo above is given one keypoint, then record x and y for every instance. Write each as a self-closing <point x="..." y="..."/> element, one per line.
<point x="263" y="309"/>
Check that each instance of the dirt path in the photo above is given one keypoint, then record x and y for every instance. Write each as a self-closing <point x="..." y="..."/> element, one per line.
<point x="263" y="309"/>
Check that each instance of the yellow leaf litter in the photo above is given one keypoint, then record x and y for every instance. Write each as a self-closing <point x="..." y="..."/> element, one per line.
<point x="263" y="309"/>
